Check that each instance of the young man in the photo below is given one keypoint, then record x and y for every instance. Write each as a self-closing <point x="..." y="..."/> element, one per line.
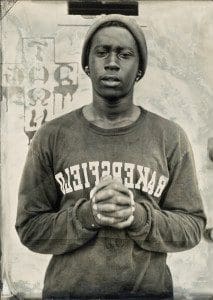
<point x="110" y="188"/>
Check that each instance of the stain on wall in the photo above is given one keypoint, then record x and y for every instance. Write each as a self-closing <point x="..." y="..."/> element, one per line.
<point x="42" y="79"/>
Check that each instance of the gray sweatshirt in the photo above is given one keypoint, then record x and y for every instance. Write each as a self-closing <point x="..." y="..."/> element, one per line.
<point x="66" y="159"/>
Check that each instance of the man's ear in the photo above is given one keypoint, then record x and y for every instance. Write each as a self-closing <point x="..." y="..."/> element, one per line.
<point x="87" y="70"/>
<point x="139" y="75"/>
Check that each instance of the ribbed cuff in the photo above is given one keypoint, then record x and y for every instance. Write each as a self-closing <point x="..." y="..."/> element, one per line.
<point x="140" y="218"/>
<point x="85" y="216"/>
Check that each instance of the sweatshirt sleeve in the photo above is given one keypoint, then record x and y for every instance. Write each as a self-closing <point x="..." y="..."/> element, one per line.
<point x="177" y="223"/>
<point x="40" y="224"/>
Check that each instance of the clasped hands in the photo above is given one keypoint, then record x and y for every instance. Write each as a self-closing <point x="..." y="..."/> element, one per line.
<point x="112" y="203"/>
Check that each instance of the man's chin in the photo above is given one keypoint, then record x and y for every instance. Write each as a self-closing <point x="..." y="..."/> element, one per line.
<point x="112" y="96"/>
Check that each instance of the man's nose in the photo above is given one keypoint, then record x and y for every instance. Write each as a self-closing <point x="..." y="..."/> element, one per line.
<point x="112" y="62"/>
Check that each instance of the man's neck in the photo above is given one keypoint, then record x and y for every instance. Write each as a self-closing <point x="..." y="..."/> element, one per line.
<point x="111" y="113"/>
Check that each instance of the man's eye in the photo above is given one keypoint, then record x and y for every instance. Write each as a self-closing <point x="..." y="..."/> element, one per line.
<point x="101" y="53"/>
<point x="125" y="55"/>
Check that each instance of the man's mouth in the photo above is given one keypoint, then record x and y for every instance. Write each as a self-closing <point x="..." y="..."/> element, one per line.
<point x="110" y="80"/>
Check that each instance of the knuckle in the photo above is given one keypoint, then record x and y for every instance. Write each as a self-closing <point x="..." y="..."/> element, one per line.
<point x="98" y="196"/>
<point x="117" y="214"/>
<point x="130" y="211"/>
<point x="115" y="186"/>
<point x="104" y="223"/>
<point x="112" y="206"/>
<point x="121" y="213"/>
<point x="101" y="207"/>
<point x="111" y="220"/>
<point x="110" y="193"/>
<point x="108" y="207"/>
<point x="119" y="198"/>
<point x="120" y="226"/>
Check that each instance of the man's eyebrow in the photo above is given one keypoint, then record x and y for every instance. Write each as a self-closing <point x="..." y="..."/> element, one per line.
<point x="102" y="46"/>
<point x="110" y="46"/>
<point x="126" y="48"/>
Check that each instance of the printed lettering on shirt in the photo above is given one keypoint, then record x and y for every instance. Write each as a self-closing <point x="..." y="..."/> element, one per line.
<point x="86" y="181"/>
<point x="68" y="187"/>
<point x="143" y="180"/>
<point x="88" y="174"/>
<point x="60" y="179"/>
<point x="128" y="180"/>
<point x="75" y="171"/>
<point x="116" y="169"/>
<point x="161" y="185"/>
<point x="105" y="165"/>
<point x="93" y="165"/>
<point x="151" y="184"/>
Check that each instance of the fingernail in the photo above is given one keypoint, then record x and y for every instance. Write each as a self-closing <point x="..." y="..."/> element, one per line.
<point x="99" y="216"/>
<point x="133" y="208"/>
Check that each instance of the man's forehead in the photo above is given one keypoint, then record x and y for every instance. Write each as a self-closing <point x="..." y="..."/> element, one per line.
<point x="112" y="35"/>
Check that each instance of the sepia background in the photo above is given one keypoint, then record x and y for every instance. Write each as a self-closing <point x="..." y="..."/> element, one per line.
<point x="42" y="79"/>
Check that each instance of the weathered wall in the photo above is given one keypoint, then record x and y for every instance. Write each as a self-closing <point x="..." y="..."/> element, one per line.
<point x="42" y="78"/>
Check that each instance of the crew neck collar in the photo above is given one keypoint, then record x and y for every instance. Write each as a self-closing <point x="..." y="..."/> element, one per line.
<point x="112" y="131"/>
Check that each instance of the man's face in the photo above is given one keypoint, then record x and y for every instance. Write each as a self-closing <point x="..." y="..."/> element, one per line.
<point x="113" y="62"/>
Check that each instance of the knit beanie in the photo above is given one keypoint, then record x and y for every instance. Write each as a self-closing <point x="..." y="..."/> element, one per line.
<point x="131" y="25"/>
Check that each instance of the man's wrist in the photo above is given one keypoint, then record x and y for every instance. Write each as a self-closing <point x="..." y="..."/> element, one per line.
<point x="86" y="217"/>
<point x="140" y="218"/>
